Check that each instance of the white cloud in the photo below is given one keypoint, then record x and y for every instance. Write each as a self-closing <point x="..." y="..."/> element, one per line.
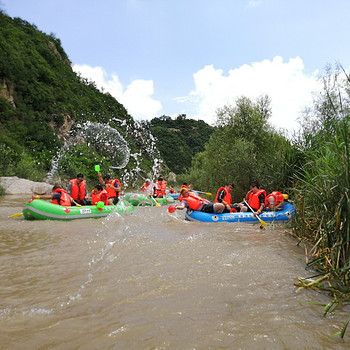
<point x="136" y="98"/>
<point x="288" y="87"/>
<point x="254" y="3"/>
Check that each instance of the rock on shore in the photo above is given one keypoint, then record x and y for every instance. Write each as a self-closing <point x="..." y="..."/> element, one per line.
<point x="15" y="185"/>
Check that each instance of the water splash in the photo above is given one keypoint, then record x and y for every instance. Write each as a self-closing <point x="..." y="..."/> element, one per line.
<point x="108" y="143"/>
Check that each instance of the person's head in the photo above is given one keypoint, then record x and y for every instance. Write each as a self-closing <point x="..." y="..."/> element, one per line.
<point x="55" y="187"/>
<point x="184" y="184"/>
<point x="254" y="187"/>
<point x="98" y="188"/>
<point x="184" y="192"/>
<point x="148" y="181"/>
<point x="106" y="178"/>
<point x="160" y="179"/>
<point x="80" y="177"/>
<point x="229" y="186"/>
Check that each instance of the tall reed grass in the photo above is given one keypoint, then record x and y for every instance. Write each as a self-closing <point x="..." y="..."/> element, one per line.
<point x="323" y="205"/>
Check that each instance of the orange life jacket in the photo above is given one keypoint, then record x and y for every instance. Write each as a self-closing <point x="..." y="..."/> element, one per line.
<point x="78" y="192"/>
<point x="194" y="202"/>
<point x="110" y="191"/>
<point x="64" y="201"/>
<point x="278" y="198"/>
<point x="160" y="189"/>
<point x="253" y="200"/>
<point x="227" y="198"/>
<point x="96" y="197"/>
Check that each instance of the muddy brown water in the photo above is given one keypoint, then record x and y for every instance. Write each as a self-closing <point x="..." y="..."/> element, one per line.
<point x="152" y="280"/>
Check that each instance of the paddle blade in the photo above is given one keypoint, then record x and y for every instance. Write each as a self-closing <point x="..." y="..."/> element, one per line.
<point x="262" y="222"/>
<point x="97" y="168"/>
<point x="171" y="209"/>
<point x="15" y="215"/>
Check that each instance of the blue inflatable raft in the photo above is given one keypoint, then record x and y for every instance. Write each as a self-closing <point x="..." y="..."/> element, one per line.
<point x="285" y="214"/>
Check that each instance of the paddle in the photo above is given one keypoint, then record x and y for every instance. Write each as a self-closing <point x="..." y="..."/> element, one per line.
<point x="77" y="204"/>
<point x="15" y="215"/>
<point x="207" y="193"/>
<point x="262" y="222"/>
<point x="97" y="168"/>
<point x="172" y="208"/>
<point x="155" y="201"/>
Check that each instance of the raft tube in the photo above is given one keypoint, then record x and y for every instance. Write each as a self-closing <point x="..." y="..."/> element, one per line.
<point x="38" y="209"/>
<point x="288" y="210"/>
<point x="140" y="199"/>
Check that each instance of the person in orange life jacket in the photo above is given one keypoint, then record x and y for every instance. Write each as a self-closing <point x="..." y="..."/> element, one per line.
<point x="160" y="187"/>
<point x="99" y="194"/>
<point x="256" y="198"/>
<point x="224" y="196"/>
<point x="275" y="200"/>
<point x="184" y="185"/>
<point x="193" y="201"/>
<point x="58" y="196"/>
<point x="148" y="187"/>
<point x="113" y="188"/>
<point x="77" y="190"/>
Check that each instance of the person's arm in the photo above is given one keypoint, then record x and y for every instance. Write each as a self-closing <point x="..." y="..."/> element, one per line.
<point x="221" y="199"/>
<point x="182" y="205"/>
<point x="262" y="203"/>
<point x="46" y="196"/>
<point x="100" y="179"/>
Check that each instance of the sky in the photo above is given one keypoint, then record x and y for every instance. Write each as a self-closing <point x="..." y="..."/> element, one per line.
<point x="163" y="57"/>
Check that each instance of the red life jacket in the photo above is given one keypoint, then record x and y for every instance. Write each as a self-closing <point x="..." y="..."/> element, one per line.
<point x="78" y="192"/>
<point x="98" y="197"/>
<point x="160" y="189"/>
<point x="110" y="191"/>
<point x="184" y="186"/>
<point x="277" y="196"/>
<point x="227" y="198"/>
<point x="194" y="202"/>
<point x="253" y="200"/>
<point x="64" y="201"/>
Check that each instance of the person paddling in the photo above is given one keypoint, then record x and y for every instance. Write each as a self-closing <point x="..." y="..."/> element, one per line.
<point x="58" y="196"/>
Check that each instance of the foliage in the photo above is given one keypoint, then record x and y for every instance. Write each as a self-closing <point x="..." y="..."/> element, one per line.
<point x="243" y="149"/>
<point x="179" y="139"/>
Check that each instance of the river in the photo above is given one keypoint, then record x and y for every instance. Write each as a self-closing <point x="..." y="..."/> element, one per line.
<point x="151" y="280"/>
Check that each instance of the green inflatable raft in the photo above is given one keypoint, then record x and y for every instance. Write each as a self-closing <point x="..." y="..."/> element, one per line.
<point x="38" y="209"/>
<point x="140" y="199"/>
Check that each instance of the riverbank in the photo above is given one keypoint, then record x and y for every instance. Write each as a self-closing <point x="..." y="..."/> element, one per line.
<point x="16" y="185"/>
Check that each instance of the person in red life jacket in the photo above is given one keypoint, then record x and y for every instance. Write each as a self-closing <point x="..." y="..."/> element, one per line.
<point x="161" y="185"/>
<point x="58" y="196"/>
<point x="275" y="200"/>
<point x="184" y="185"/>
<point x="148" y="187"/>
<point x="99" y="194"/>
<point x="224" y="196"/>
<point x="77" y="190"/>
<point x="113" y="188"/>
<point x="256" y="198"/>
<point x="190" y="200"/>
